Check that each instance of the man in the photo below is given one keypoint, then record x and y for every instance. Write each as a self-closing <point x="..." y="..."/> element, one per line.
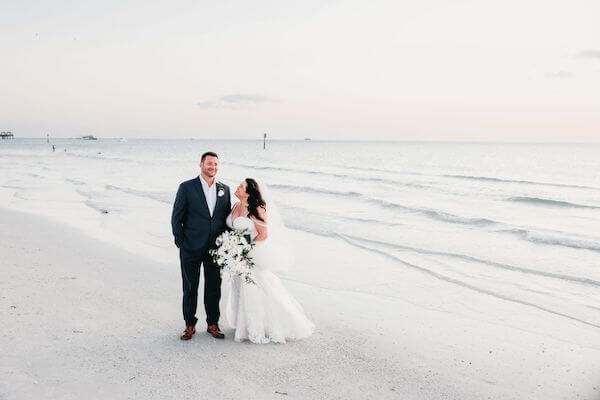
<point x="201" y="206"/>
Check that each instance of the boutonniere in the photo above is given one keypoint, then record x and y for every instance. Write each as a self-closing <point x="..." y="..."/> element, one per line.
<point x="220" y="189"/>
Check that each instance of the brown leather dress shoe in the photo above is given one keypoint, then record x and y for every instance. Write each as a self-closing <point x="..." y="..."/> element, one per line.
<point x="215" y="331"/>
<point x="188" y="333"/>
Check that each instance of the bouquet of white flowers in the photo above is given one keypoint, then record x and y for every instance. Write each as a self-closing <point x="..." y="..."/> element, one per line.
<point x="233" y="254"/>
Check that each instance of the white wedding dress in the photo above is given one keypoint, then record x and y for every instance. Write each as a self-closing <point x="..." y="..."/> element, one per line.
<point x="263" y="312"/>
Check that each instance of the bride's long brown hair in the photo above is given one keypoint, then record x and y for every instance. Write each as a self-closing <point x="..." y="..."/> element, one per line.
<point x="255" y="199"/>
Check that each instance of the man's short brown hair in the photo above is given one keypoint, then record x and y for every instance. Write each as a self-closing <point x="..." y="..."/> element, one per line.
<point x="208" y="154"/>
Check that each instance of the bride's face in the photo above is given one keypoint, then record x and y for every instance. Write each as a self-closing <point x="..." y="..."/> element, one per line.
<point x="240" y="192"/>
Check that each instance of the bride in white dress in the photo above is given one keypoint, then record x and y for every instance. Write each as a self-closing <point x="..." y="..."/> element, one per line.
<point x="263" y="312"/>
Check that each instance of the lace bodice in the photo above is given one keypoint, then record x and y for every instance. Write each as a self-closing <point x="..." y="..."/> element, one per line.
<point x="242" y="223"/>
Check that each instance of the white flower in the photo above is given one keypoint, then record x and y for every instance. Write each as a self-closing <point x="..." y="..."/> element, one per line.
<point x="233" y="255"/>
<point x="221" y="193"/>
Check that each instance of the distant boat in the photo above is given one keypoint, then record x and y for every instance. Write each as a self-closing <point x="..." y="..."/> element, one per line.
<point x="307" y="138"/>
<point x="6" y="135"/>
<point x="88" y="137"/>
<point x="123" y="140"/>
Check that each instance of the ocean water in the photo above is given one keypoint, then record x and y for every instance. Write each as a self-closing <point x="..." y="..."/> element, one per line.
<point x="517" y="221"/>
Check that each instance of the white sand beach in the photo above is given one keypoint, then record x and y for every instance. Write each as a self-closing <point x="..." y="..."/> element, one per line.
<point x="81" y="318"/>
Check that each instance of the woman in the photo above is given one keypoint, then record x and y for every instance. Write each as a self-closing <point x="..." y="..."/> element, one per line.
<point x="262" y="312"/>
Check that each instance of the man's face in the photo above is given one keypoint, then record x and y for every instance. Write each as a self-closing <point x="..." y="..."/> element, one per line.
<point x="209" y="166"/>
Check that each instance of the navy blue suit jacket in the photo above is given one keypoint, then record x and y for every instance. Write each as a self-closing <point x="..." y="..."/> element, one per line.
<point x="194" y="229"/>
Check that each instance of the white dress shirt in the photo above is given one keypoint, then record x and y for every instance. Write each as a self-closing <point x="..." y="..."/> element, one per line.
<point x="210" y="192"/>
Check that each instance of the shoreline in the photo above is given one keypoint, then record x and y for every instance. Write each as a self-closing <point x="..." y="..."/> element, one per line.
<point x="81" y="316"/>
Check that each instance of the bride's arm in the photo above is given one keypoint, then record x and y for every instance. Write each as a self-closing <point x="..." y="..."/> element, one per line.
<point x="261" y="226"/>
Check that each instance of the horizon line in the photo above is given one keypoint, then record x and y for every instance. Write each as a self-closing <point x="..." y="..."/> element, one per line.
<point x="308" y="139"/>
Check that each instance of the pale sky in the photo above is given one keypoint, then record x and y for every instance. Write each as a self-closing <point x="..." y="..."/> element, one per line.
<point x="510" y="70"/>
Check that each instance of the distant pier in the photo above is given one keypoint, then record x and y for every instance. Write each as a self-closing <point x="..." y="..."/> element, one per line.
<point x="6" y="135"/>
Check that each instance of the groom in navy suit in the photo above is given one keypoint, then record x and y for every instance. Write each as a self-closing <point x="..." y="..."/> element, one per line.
<point x="201" y="207"/>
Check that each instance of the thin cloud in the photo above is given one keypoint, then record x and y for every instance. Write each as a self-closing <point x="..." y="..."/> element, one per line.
<point x="594" y="54"/>
<point x="234" y="101"/>
<point x="559" y="75"/>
